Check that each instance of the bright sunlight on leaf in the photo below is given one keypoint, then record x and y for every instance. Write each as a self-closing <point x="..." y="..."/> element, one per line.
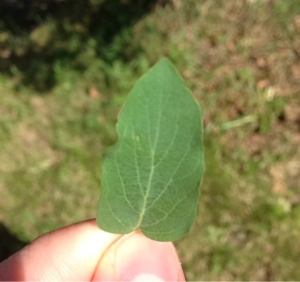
<point x="151" y="177"/>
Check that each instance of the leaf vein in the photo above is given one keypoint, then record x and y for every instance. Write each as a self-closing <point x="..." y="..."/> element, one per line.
<point x="171" y="178"/>
<point x="123" y="186"/>
<point x="163" y="218"/>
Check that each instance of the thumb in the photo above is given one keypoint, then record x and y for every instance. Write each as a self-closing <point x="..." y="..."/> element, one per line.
<point x="134" y="257"/>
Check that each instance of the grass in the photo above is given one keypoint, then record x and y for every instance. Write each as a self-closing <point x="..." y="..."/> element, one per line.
<point x="238" y="59"/>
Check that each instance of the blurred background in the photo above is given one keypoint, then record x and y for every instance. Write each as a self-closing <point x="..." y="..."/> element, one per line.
<point x="66" y="68"/>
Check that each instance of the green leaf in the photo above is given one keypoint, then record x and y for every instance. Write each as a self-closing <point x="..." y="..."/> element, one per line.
<point x="151" y="177"/>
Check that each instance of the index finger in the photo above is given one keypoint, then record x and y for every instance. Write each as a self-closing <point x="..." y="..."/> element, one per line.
<point x="70" y="253"/>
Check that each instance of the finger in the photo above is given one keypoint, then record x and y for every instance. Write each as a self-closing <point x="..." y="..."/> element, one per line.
<point x="70" y="253"/>
<point x="137" y="258"/>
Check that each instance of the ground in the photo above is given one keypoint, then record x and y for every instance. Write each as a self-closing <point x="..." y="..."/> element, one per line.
<point x="242" y="61"/>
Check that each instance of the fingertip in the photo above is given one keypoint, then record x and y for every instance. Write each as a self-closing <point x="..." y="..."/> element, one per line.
<point x="137" y="258"/>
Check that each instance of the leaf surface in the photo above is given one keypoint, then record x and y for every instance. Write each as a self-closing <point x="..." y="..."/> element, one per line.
<point x="151" y="177"/>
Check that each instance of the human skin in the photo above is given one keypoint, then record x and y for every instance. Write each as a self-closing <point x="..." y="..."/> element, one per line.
<point x="84" y="252"/>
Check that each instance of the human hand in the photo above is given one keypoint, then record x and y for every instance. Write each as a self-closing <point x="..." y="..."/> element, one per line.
<point x="84" y="252"/>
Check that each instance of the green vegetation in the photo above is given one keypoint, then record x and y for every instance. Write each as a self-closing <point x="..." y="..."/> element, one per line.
<point x="151" y="177"/>
<point x="241" y="60"/>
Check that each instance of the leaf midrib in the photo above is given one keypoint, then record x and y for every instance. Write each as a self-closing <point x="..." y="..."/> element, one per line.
<point x="152" y="159"/>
